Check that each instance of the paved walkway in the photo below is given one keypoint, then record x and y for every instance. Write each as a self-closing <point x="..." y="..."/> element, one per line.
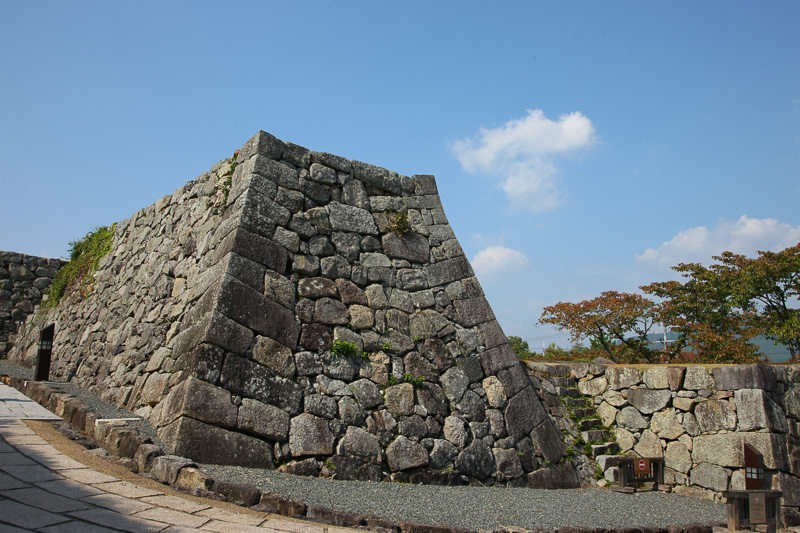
<point x="43" y="489"/>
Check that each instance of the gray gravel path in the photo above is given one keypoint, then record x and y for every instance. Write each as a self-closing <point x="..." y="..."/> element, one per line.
<point x="470" y="507"/>
<point x="483" y="507"/>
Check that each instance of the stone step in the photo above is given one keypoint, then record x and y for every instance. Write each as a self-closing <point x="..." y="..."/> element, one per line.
<point x="575" y="402"/>
<point x="589" y="423"/>
<point x="598" y="435"/>
<point x="582" y="412"/>
<point x="608" y="461"/>
<point x="569" y="392"/>
<point x="609" y="448"/>
<point x="565" y="382"/>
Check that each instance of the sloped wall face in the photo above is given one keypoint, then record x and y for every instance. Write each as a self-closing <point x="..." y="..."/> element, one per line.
<point x="116" y="341"/>
<point x="346" y="335"/>
<point x="316" y="313"/>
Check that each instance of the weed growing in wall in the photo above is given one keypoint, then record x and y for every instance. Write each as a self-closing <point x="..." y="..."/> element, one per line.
<point x="78" y="274"/>
<point x="226" y="183"/>
<point x="343" y="348"/>
<point x="400" y="224"/>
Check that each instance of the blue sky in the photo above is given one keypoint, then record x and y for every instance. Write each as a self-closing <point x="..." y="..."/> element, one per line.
<point x="578" y="146"/>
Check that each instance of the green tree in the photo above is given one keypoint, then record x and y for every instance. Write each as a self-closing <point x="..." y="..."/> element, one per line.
<point x="520" y="347"/>
<point x="769" y="287"/>
<point x="705" y="314"/>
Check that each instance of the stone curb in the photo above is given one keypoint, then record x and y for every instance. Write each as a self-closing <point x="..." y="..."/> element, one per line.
<point x="138" y="453"/>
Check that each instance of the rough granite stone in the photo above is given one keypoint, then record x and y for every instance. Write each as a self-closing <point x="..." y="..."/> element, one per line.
<point x="309" y="435"/>
<point x="403" y="454"/>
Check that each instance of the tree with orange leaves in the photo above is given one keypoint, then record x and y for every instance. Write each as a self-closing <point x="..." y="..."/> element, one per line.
<point x="618" y="322"/>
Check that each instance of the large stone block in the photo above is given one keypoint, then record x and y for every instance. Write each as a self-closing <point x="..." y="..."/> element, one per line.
<point x="656" y="377"/>
<point x="622" y="377"/>
<point x="790" y="486"/>
<point x="399" y="399"/>
<point x="252" y="380"/>
<point x="649" y="445"/>
<point x="350" y="218"/>
<point x="309" y="435"/>
<point x="523" y="413"/>
<point x="261" y="143"/>
<point x="745" y="377"/>
<point x="649" y="401"/>
<point x="217" y="329"/>
<point x="378" y="177"/>
<point x="698" y="378"/>
<point x="710" y="476"/>
<point x="278" y="172"/>
<point x="476" y="460"/>
<point x="593" y="386"/>
<point x="562" y="476"/>
<point x="507" y="464"/>
<point x="359" y="443"/>
<point x="245" y="270"/>
<point x="403" y="454"/>
<point x="715" y="415"/>
<point x="474" y="311"/>
<point x="263" y="420"/>
<point x="675" y="375"/>
<point x="496" y="359"/>
<point x="201" y="401"/>
<point x="355" y="468"/>
<point x="411" y="246"/>
<point x="756" y="410"/>
<point x="257" y="312"/>
<point x="433" y="399"/>
<point x="677" y="457"/>
<point x="188" y="437"/>
<point x="727" y="449"/>
<point x="666" y="424"/>
<point x="547" y="441"/>
<point x="448" y="271"/>
<point x="630" y="418"/>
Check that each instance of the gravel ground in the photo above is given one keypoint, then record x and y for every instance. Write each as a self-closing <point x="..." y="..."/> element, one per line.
<point x="470" y="507"/>
<point x="483" y="507"/>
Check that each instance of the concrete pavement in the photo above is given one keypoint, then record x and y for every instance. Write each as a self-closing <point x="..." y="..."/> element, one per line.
<point x="50" y="484"/>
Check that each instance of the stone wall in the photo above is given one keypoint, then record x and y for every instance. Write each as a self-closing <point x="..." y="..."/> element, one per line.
<point x="23" y="280"/>
<point x="301" y="309"/>
<point x="697" y="419"/>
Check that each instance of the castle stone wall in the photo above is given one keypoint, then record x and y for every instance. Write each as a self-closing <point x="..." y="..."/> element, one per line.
<point x="299" y="309"/>
<point x="697" y="419"/>
<point x="23" y="281"/>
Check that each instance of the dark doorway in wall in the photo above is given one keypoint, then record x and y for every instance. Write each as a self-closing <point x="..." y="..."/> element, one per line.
<point x="45" y="353"/>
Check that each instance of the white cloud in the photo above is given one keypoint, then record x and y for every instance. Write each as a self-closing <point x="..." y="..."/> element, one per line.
<point x="745" y="236"/>
<point x="520" y="154"/>
<point x="496" y="261"/>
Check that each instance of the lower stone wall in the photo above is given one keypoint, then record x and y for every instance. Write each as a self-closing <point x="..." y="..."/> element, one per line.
<point x="698" y="420"/>
<point x="23" y="280"/>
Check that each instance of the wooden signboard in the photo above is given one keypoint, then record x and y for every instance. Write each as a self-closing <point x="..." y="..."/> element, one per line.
<point x="641" y="466"/>
<point x="758" y="508"/>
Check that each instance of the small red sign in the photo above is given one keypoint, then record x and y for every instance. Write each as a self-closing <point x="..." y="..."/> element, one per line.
<point x="642" y="466"/>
